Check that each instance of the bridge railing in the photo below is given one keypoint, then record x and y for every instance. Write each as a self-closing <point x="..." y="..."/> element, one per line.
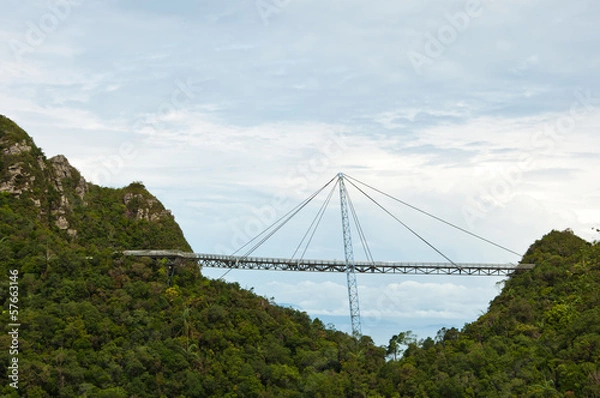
<point x="314" y="265"/>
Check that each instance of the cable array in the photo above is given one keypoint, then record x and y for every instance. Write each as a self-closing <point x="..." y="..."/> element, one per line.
<point x="361" y="187"/>
<point x="435" y="217"/>
<point x="314" y="225"/>
<point x="268" y="232"/>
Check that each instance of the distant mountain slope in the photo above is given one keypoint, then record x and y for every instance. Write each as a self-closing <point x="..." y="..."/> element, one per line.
<point x="539" y="338"/>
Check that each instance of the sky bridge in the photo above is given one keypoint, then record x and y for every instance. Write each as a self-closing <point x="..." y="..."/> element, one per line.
<point x="351" y="267"/>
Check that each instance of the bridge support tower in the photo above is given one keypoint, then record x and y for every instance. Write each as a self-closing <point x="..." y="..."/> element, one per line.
<point x="350" y="264"/>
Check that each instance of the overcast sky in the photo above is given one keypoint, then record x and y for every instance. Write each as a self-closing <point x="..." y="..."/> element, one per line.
<point x="232" y="112"/>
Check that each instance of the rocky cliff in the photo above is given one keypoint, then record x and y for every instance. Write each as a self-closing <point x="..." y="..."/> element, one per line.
<point x="58" y="195"/>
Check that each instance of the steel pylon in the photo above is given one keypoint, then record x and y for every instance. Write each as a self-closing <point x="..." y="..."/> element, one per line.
<point x="350" y="264"/>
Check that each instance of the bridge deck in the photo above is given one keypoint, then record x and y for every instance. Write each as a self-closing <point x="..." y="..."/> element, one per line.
<point x="383" y="267"/>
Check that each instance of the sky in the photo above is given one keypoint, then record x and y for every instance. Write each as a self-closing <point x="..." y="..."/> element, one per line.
<point x="232" y="112"/>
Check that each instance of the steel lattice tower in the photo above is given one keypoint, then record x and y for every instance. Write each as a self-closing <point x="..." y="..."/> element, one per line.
<point x="350" y="265"/>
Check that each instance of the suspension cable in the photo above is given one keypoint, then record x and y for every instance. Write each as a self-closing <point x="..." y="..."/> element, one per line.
<point x="283" y="220"/>
<point x="436" y="218"/>
<point x="317" y="221"/>
<point x="361" y="233"/>
<point x="406" y="226"/>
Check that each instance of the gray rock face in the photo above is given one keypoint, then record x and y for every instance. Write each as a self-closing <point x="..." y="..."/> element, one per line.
<point x="145" y="207"/>
<point x="18" y="178"/>
<point x="17" y="148"/>
<point x="61" y="172"/>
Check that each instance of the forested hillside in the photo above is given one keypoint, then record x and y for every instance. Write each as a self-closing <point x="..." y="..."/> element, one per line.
<point x="97" y="324"/>
<point x="540" y="337"/>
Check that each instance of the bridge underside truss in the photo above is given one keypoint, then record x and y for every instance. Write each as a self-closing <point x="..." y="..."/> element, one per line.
<point x="376" y="267"/>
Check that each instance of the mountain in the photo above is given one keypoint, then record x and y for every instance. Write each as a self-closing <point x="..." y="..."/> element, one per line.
<point x="94" y="323"/>
<point x="539" y="338"/>
<point x="97" y="324"/>
<point x="56" y="195"/>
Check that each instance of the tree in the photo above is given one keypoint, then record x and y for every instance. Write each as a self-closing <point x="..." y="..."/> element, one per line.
<point x="398" y="342"/>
